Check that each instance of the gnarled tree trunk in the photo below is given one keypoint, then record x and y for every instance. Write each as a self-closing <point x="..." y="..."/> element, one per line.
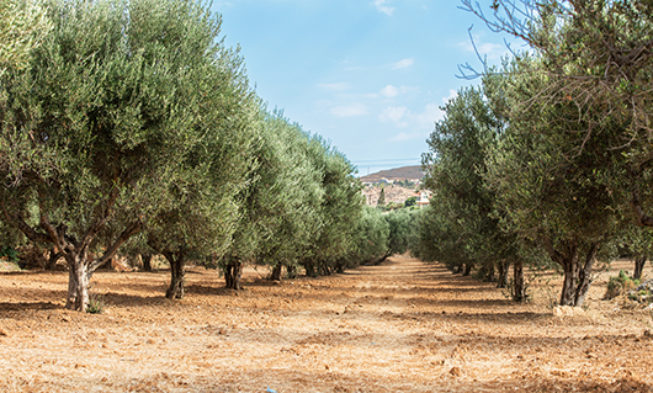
<point x="585" y="275"/>
<point x="177" y="273"/>
<point x="519" y="285"/>
<point x="276" y="272"/>
<point x="232" y="274"/>
<point x="467" y="270"/>
<point x="570" y="271"/>
<point x="79" y="276"/>
<point x="310" y="269"/>
<point x="147" y="262"/>
<point x="324" y="269"/>
<point x="639" y="266"/>
<point x="503" y="267"/>
<point x="292" y="271"/>
<point x="577" y="273"/>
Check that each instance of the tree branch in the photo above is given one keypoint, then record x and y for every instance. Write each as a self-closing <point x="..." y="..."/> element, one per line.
<point x="101" y="219"/>
<point x="642" y="218"/>
<point x="130" y="231"/>
<point x="27" y="230"/>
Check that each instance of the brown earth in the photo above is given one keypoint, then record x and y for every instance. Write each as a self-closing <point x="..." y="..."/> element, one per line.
<point x="405" y="326"/>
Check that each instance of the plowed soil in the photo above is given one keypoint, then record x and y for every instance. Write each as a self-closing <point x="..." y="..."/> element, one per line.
<point x="404" y="326"/>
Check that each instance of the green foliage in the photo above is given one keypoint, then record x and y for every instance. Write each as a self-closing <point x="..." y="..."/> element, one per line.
<point x="95" y="305"/>
<point x="10" y="253"/>
<point x="412" y="201"/>
<point x="401" y="225"/>
<point x="460" y="216"/>
<point x="23" y="24"/>
<point x="371" y="236"/>
<point x="620" y="285"/>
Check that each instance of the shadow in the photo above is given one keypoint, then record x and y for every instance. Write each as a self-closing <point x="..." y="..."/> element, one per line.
<point x="470" y="303"/>
<point x="21" y="306"/>
<point x="33" y="272"/>
<point x="508" y="317"/>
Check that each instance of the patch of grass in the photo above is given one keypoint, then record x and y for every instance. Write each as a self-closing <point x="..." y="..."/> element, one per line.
<point x="95" y="305"/>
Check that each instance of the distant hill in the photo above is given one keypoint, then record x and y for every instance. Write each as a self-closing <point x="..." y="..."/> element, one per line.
<point x="413" y="172"/>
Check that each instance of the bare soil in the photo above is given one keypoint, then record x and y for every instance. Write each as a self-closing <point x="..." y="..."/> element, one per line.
<point x="404" y="326"/>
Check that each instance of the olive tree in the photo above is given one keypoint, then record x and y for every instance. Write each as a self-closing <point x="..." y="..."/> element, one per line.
<point x="102" y="125"/>
<point x="552" y="193"/>
<point x="339" y="210"/>
<point x="597" y="56"/>
<point x="456" y="166"/>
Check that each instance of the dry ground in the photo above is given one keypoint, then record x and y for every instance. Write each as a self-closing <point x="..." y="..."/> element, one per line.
<point x="404" y="326"/>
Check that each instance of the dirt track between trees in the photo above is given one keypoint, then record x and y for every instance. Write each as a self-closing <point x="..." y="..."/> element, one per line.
<point x="404" y="326"/>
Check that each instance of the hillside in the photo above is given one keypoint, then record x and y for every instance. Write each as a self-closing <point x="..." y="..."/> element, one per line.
<point x="413" y="172"/>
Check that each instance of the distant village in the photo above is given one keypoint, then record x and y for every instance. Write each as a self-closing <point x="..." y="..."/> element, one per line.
<point x="395" y="188"/>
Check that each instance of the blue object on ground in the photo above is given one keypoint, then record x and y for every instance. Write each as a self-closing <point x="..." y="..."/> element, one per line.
<point x="268" y="390"/>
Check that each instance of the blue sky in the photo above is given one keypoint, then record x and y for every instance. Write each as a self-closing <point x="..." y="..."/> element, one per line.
<point x="367" y="75"/>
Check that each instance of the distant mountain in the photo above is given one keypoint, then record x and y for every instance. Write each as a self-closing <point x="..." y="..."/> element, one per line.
<point x="413" y="172"/>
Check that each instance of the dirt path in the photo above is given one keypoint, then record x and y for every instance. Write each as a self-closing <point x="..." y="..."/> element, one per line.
<point x="404" y="326"/>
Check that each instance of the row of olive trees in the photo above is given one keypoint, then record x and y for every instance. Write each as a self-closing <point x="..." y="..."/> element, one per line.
<point x="129" y="127"/>
<point x="548" y="163"/>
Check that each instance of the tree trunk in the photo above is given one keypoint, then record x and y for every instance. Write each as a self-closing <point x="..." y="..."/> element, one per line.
<point x="519" y="287"/>
<point x="237" y="273"/>
<point x="324" y="269"/>
<point x="585" y="275"/>
<point x="177" y="273"/>
<point x="292" y="271"/>
<point x="569" y="282"/>
<point x="276" y="272"/>
<point x="468" y="269"/>
<point x="232" y="274"/>
<point x="639" y="266"/>
<point x="504" y="266"/>
<point x="228" y="276"/>
<point x="79" y="277"/>
<point x="52" y="259"/>
<point x="147" y="262"/>
<point x="310" y="269"/>
<point x="570" y="265"/>
<point x="489" y="273"/>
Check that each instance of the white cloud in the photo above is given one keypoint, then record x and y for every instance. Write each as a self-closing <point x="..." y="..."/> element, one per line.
<point x="396" y="115"/>
<point x="383" y="7"/>
<point x="407" y="136"/>
<point x="337" y="86"/>
<point x="352" y="110"/>
<point x="389" y="91"/>
<point x="421" y="123"/>
<point x="452" y="94"/>
<point x="403" y="63"/>
<point x="491" y="50"/>
<point x="427" y="118"/>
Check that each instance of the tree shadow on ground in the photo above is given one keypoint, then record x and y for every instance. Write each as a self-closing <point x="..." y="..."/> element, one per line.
<point x="21" y="306"/>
